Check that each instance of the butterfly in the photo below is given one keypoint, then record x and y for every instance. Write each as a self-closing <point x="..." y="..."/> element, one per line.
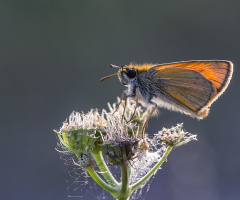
<point x="189" y="87"/>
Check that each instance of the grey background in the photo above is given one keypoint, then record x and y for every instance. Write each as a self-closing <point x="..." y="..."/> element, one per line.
<point x="52" y="55"/>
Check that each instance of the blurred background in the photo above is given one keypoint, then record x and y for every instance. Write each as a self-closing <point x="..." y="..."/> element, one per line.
<point x="52" y="55"/>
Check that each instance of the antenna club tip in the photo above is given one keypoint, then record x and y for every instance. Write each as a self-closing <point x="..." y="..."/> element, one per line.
<point x="114" y="66"/>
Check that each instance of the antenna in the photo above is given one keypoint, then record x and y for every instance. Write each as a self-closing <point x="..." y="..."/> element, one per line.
<point x="115" y="66"/>
<point x="106" y="77"/>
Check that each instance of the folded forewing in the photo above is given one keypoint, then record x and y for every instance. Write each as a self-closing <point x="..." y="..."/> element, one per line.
<point x="188" y="87"/>
<point x="218" y="72"/>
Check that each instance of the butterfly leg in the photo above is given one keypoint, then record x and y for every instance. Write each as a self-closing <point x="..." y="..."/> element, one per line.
<point x="130" y="93"/>
<point x="119" y="103"/>
<point x="125" y="104"/>
<point x="146" y="122"/>
<point x="124" y="108"/>
<point x="136" y="98"/>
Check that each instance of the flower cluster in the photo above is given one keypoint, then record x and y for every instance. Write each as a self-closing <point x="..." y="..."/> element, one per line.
<point x="118" y="135"/>
<point x="175" y="136"/>
<point x="108" y="132"/>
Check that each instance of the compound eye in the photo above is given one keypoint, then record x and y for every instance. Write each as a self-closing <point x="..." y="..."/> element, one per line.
<point x="131" y="73"/>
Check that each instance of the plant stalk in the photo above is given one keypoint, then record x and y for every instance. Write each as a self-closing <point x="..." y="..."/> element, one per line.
<point x="104" y="169"/>
<point x="152" y="171"/>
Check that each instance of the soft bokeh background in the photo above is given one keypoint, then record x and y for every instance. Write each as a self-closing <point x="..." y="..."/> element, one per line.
<point x="52" y="55"/>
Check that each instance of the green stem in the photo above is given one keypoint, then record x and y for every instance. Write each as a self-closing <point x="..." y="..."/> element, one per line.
<point x="100" y="182"/>
<point x="104" y="169"/>
<point x="125" y="191"/>
<point x="123" y="198"/>
<point x="125" y="178"/>
<point x="152" y="171"/>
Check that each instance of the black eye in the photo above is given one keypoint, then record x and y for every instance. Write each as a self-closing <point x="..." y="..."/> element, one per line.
<point x="131" y="73"/>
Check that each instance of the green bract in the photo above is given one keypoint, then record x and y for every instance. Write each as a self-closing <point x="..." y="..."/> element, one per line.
<point x="78" y="141"/>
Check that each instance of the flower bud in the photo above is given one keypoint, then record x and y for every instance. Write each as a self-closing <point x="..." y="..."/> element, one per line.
<point x="121" y="150"/>
<point x="79" y="134"/>
<point x="86" y="160"/>
<point x="175" y="136"/>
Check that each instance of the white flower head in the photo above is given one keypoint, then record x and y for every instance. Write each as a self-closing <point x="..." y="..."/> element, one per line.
<point x="119" y="108"/>
<point x="117" y="128"/>
<point x="90" y="120"/>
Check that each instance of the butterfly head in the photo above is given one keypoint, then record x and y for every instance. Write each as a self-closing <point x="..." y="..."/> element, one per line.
<point x="126" y="75"/>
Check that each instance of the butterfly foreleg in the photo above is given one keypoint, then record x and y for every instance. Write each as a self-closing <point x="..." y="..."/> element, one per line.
<point x="148" y="117"/>
<point x="122" y="96"/>
<point x="136" y="105"/>
<point x="125" y="104"/>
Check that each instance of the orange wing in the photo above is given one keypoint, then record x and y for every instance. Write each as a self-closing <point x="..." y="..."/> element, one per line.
<point x="193" y="86"/>
<point x="187" y="90"/>
<point x="217" y="71"/>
